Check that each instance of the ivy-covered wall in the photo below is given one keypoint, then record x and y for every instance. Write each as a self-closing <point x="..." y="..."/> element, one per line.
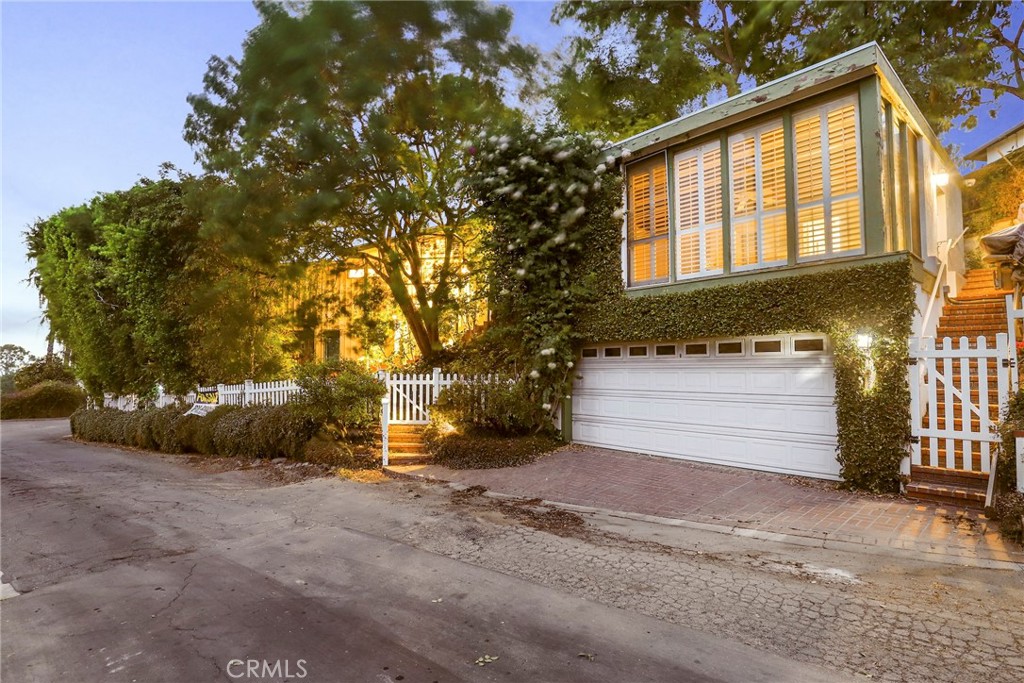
<point x="878" y="299"/>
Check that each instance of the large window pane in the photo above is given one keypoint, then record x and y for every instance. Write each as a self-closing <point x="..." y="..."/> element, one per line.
<point x="758" y="189"/>
<point x="648" y="223"/>
<point x="699" y="211"/>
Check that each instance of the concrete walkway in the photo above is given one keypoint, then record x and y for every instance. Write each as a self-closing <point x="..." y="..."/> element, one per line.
<point x="742" y="502"/>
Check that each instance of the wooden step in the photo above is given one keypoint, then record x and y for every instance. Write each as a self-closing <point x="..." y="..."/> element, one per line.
<point x="949" y="477"/>
<point x="946" y="495"/>
<point x="408" y="459"/>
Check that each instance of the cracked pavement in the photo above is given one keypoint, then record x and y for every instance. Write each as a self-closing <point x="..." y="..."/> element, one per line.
<point x="133" y="566"/>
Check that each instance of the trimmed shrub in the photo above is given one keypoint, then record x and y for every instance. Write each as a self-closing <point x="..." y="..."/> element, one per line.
<point x="43" y="370"/>
<point x="490" y="407"/>
<point x="341" y="396"/>
<point x="483" y="451"/>
<point x="264" y="432"/>
<point x="1009" y="511"/>
<point x="47" y="399"/>
<point x="326" y="451"/>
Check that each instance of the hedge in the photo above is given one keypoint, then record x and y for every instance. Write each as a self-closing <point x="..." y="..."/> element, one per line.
<point x="46" y="399"/>
<point x="252" y="432"/>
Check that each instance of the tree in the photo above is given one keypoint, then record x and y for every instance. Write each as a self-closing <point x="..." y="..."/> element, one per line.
<point x="13" y="357"/>
<point x="339" y="135"/>
<point x="139" y="295"/>
<point x="641" y="63"/>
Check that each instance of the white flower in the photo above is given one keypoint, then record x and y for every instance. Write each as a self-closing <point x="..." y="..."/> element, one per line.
<point x="601" y="168"/>
<point x="559" y="238"/>
<point x="504" y="292"/>
<point x="597" y="184"/>
<point x="551" y="187"/>
<point x="552" y="366"/>
<point x="502" y="170"/>
<point x="518" y="194"/>
<point x="525" y="161"/>
<point x="535" y="225"/>
<point x="493" y="139"/>
<point x="609" y="160"/>
<point x="618" y="214"/>
<point x="546" y="406"/>
<point x="598" y="144"/>
<point x="569" y="364"/>
<point x="577" y="212"/>
<point x="510" y="246"/>
<point x="563" y="155"/>
<point x="547" y="352"/>
<point x="505" y="189"/>
<point x="503" y="146"/>
<point x="553" y="208"/>
<point x="520" y="272"/>
<point x="626" y="154"/>
<point x="534" y="374"/>
<point x="572" y="188"/>
<point x="504" y="139"/>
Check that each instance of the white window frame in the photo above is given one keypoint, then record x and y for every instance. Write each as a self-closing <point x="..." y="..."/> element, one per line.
<point x="775" y="354"/>
<point x="825" y="348"/>
<point x="743" y="348"/>
<point x="759" y="214"/>
<point x="827" y="199"/>
<point x="703" y="227"/>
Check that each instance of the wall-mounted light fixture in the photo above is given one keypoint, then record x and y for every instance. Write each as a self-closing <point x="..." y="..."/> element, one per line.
<point x="864" y="341"/>
<point x="940" y="179"/>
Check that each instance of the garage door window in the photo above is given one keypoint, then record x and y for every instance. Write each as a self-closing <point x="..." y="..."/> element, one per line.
<point x="700" y="349"/>
<point x="730" y="348"/>
<point x="590" y="353"/>
<point x="637" y="351"/>
<point x="665" y="350"/>
<point x="767" y="346"/>
<point x="613" y="352"/>
<point x="809" y="345"/>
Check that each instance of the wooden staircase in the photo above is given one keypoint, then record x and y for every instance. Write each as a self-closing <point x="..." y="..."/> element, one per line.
<point x="405" y="445"/>
<point x="978" y="311"/>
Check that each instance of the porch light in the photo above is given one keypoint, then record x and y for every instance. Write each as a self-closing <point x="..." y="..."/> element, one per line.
<point x="940" y="179"/>
<point x="864" y="341"/>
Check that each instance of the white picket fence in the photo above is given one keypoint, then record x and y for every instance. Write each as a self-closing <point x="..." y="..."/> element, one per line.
<point x="411" y="395"/>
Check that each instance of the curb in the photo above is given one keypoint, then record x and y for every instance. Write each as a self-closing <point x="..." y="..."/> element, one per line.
<point x="822" y="542"/>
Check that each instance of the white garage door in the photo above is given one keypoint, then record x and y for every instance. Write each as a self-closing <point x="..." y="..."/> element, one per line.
<point x="764" y="403"/>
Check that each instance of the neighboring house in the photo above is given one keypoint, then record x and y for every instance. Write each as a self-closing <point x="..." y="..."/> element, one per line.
<point x="830" y="167"/>
<point x="998" y="147"/>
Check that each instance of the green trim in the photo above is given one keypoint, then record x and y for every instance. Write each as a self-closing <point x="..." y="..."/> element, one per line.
<point x="789" y="143"/>
<point x="766" y="274"/>
<point x="890" y="177"/>
<point x="869" y="109"/>
<point x="567" y="418"/>
<point x="673" y="235"/>
<point x="726" y="207"/>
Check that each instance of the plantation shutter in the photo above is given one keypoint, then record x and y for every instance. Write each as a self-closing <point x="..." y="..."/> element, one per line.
<point x="758" y="191"/>
<point x="699" y="211"/>
<point x="648" y="224"/>
<point x="828" y="181"/>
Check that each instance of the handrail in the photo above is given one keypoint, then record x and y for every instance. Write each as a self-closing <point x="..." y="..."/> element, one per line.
<point x="938" y="279"/>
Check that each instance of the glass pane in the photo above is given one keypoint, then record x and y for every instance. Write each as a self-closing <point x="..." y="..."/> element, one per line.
<point x="713" y="186"/>
<point x="660" y="183"/>
<point x="744" y="187"/>
<point x="689" y="253"/>
<point x="842" y="150"/>
<point x="641" y="262"/>
<point x="612" y="352"/>
<point x="809" y="181"/>
<point x="744" y="243"/>
<point x="846" y="225"/>
<point x="773" y="170"/>
<point x="811" y="231"/>
<point x="665" y="350"/>
<point x="714" y="255"/>
<point x="637" y="351"/>
<point x="687" y="193"/>
<point x="640" y="205"/>
<point x="807" y="345"/>
<point x="661" y="258"/>
<point x="773" y="238"/>
<point x="695" y="349"/>
<point x="768" y="346"/>
<point x="729" y="348"/>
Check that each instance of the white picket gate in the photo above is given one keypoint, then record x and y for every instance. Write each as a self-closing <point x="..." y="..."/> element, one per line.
<point x="956" y="392"/>
<point x="411" y="395"/>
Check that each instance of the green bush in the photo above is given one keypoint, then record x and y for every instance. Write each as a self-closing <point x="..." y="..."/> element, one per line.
<point x="47" y="399"/>
<point x="1012" y="421"/>
<point x="327" y="451"/>
<point x="478" y="450"/>
<point x="341" y="396"/>
<point x="1009" y="511"/>
<point x="43" y="370"/>
<point x="264" y="432"/>
<point x="495" y="407"/>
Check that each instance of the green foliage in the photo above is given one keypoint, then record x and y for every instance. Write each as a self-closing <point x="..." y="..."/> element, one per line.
<point x="996" y="195"/>
<point x="43" y="370"/>
<point x="340" y="395"/>
<point x="13" y="357"/>
<point x="1012" y="421"/>
<point x="873" y="424"/>
<point x="482" y="451"/>
<point x="47" y="399"/>
<point x="139" y="293"/>
<point x="350" y="147"/>
<point x="264" y="432"/>
<point x="678" y="55"/>
<point x="1008" y="510"/>
<point x="551" y="198"/>
<point x="489" y="406"/>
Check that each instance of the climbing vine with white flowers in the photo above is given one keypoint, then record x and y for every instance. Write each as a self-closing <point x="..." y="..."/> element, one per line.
<point x="554" y="202"/>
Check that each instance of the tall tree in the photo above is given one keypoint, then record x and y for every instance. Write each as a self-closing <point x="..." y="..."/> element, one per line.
<point x="640" y="63"/>
<point x="340" y="131"/>
<point x="138" y="295"/>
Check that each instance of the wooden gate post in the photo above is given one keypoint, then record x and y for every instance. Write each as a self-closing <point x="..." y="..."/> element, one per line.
<point x="385" y="409"/>
<point x="1019" y="438"/>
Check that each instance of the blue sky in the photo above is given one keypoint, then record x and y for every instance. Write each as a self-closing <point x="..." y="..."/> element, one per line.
<point x="93" y="98"/>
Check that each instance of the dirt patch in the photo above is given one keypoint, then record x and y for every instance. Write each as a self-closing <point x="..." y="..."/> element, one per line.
<point x="273" y="473"/>
<point x="534" y="514"/>
<point x="362" y="476"/>
<point x="467" y="495"/>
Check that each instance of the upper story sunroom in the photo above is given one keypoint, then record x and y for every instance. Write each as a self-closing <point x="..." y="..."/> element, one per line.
<point x="831" y="164"/>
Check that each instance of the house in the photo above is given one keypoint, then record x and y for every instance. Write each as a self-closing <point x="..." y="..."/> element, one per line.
<point x="828" y="169"/>
<point x="1000" y="146"/>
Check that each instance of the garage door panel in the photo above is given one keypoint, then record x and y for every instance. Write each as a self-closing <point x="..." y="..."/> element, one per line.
<point x="773" y="413"/>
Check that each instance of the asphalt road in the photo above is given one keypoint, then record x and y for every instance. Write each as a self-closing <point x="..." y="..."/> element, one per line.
<point x="133" y="567"/>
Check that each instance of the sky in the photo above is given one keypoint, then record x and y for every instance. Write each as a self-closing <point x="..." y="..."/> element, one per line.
<point x="94" y="98"/>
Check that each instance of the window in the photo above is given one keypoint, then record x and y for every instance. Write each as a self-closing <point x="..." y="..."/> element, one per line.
<point x="767" y="346"/>
<point x="699" y="211"/>
<point x="665" y="350"/>
<point x="613" y="352"/>
<point x="637" y="351"/>
<point x="827" y="181"/>
<point x="700" y="349"/>
<point x="730" y="348"/>
<point x="647" y="229"/>
<point x="332" y="345"/>
<point x="590" y="353"/>
<point x="758" y="191"/>
<point x="814" y="345"/>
